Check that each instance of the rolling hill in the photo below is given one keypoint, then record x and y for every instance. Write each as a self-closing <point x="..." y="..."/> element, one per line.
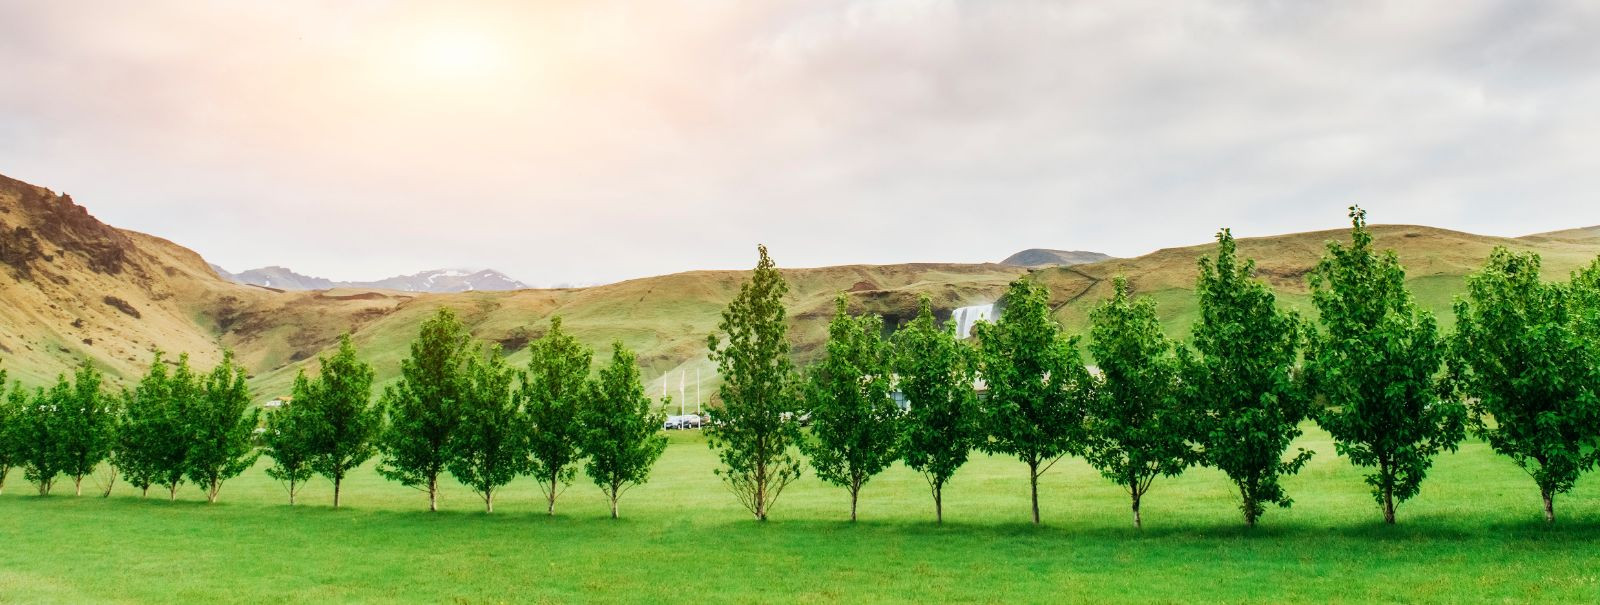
<point x="434" y="281"/>
<point x="73" y="288"/>
<point x="62" y="268"/>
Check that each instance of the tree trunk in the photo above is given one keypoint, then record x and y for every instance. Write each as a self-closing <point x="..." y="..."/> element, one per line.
<point x="938" y="505"/>
<point x="1388" y="505"/>
<point x="144" y="492"/>
<point x="337" y="481"/>
<point x="1033" y="487"/>
<point x="1249" y="506"/>
<point x="1549" y="506"/>
<point x="488" y="500"/>
<point x="551" y="499"/>
<point x="614" y="497"/>
<point x="110" y="484"/>
<point x="211" y="493"/>
<point x="172" y="492"/>
<point x="291" y="492"/>
<point x="855" y="494"/>
<point x="77" y="485"/>
<point x="761" y="494"/>
<point x="433" y="493"/>
<point x="1138" y="523"/>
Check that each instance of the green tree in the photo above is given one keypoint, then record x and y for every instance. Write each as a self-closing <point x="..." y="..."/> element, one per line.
<point x="1377" y="362"/>
<point x="11" y="410"/>
<point x="1038" y="386"/>
<point x="40" y="435"/>
<point x="221" y="426"/>
<point x="936" y="375"/>
<point x="85" y="426"/>
<point x="490" y="447"/>
<point x="290" y="442"/>
<point x="1139" y="426"/>
<point x="340" y="413"/>
<point x="552" y="392"/>
<point x="755" y="429"/>
<point x="1520" y="356"/>
<point x="1243" y="380"/>
<point x="855" y="424"/>
<point x="146" y="443"/>
<point x="621" y="436"/>
<point x="424" y="408"/>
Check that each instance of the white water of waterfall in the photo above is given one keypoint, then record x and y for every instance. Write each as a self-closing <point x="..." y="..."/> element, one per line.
<point x="966" y="317"/>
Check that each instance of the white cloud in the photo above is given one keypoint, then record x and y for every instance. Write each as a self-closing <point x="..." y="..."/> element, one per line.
<point x="601" y="140"/>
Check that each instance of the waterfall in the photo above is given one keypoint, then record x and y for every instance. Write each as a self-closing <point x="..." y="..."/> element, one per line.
<point x="966" y="317"/>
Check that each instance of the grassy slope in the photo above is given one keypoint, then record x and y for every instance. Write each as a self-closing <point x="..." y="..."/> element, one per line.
<point x="1437" y="262"/>
<point x="1474" y="535"/>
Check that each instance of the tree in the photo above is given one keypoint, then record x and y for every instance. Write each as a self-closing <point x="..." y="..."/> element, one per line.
<point x="1376" y="361"/>
<point x="754" y="429"/>
<point x="150" y="445"/>
<point x="1520" y="356"/>
<point x="1243" y="381"/>
<point x="289" y="441"/>
<point x="340" y="413"/>
<point x="181" y="394"/>
<point x="40" y="435"/>
<point x="87" y="425"/>
<point x="1139" y="426"/>
<point x="424" y="408"/>
<point x="552" y="392"/>
<point x="855" y="424"/>
<point x="490" y="447"/>
<point x="221" y="425"/>
<point x="11" y="410"/>
<point x="621" y="437"/>
<point x="1038" y="386"/>
<point x="936" y="373"/>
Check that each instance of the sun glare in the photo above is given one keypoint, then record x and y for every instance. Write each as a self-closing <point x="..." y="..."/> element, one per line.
<point x="458" y="54"/>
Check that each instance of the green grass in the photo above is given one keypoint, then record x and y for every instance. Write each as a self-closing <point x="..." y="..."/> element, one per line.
<point x="1474" y="535"/>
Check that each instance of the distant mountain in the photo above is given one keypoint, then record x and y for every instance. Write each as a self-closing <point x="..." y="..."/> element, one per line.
<point x="1041" y="257"/>
<point x="435" y="281"/>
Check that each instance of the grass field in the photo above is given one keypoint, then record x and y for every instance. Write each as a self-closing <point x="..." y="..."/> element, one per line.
<point x="1474" y="535"/>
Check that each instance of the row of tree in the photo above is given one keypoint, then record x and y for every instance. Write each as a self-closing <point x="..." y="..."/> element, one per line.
<point x="1522" y="371"/>
<point x="458" y="409"/>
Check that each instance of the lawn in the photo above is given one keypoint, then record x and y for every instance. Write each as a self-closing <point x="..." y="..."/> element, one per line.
<point x="1474" y="535"/>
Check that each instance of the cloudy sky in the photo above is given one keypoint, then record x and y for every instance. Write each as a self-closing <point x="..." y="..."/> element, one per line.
<point x="588" y="141"/>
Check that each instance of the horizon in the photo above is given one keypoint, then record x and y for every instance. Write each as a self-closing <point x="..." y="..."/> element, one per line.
<point x="387" y="138"/>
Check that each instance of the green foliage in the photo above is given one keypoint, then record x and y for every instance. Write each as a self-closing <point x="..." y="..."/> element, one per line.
<point x="1376" y="361"/>
<point x="152" y="445"/>
<point x="552" y="392"/>
<point x="11" y="404"/>
<point x="1139" y="426"/>
<point x="424" y="408"/>
<point x="490" y="447"/>
<point x="1529" y="371"/>
<point x="855" y="424"/>
<point x="621" y="436"/>
<point x="86" y="427"/>
<point x="1038" y="386"/>
<point x="40" y="435"/>
<point x="755" y="429"/>
<point x="289" y="441"/>
<point x="1243" y="380"/>
<point x="936" y="373"/>
<point x="221" y="425"/>
<point x="340" y="414"/>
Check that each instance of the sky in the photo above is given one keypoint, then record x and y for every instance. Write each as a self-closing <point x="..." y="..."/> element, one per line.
<point x="579" y="142"/>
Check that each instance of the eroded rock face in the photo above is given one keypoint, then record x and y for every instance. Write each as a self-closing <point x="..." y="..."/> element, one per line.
<point x="71" y="229"/>
<point x="19" y="248"/>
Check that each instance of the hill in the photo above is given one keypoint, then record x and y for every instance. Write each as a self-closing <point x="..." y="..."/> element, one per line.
<point x="1437" y="262"/>
<point x="75" y="288"/>
<point x="1042" y="257"/>
<point x="434" y="281"/>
